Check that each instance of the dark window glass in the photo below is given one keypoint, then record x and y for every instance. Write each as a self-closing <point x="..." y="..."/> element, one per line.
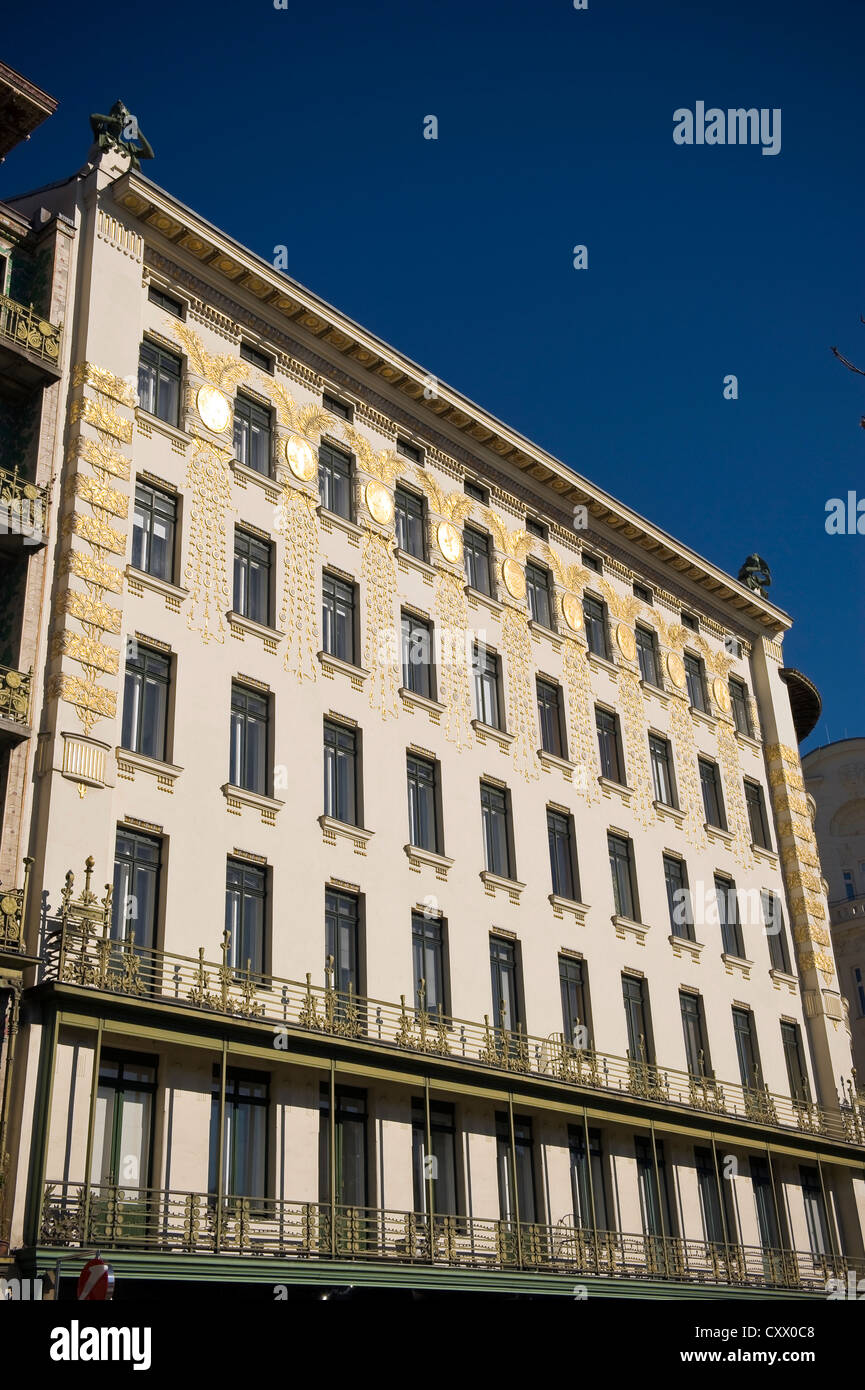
<point x="334" y="479"/>
<point x="417" y="656"/>
<point x="815" y="1211"/>
<point x="655" y="1205"/>
<point x="409" y="522"/>
<point x="145" y="701"/>
<point x="695" y="681"/>
<point x="474" y="490"/>
<point x="245" y="900"/>
<point x="728" y="917"/>
<point x="694" y="1028"/>
<point x="409" y="451"/>
<point x="636" y="1001"/>
<point x="350" y="1160"/>
<point x="244" y="1134"/>
<point x="427" y="939"/>
<point x="258" y="359"/>
<point x="550" y="718"/>
<point x="422" y="816"/>
<point x="523" y="1162"/>
<point x="562" y="859"/>
<point x="135" y="899"/>
<point x="647" y="654"/>
<point x="641" y="592"/>
<point x="486" y="673"/>
<point x="123" y="1133"/>
<point x="252" y="431"/>
<point x="594" y="613"/>
<point x="538" y="593"/>
<point x="794" y="1057"/>
<point x="765" y="1199"/>
<point x="341" y="939"/>
<point x="340" y="773"/>
<point x="443" y="1169"/>
<point x="495" y="818"/>
<point x="776" y="932"/>
<point x="609" y="746"/>
<point x="746" y="1049"/>
<point x="165" y="301"/>
<point x="592" y="562"/>
<point x="662" y="770"/>
<point x="575" y="1009"/>
<point x="476" y="550"/>
<point x="252" y="565"/>
<point x="337" y="617"/>
<point x="159" y="382"/>
<point x="678" y="898"/>
<point x="503" y="969"/>
<point x="710" y="1197"/>
<point x="688" y="620"/>
<point x="154" y="525"/>
<point x="622" y="870"/>
<point x="710" y="785"/>
<point x="741" y="708"/>
<point x="536" y="528"/>
<point x="757" y="814"/>
<point x="337" y="407"/>
<point x="589" y="1189"/>
<point x="248" y="763"/>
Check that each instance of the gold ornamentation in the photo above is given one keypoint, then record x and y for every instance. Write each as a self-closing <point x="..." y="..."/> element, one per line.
<point x="449" y="542"/>
<point x="737" y="814"/>
<point x="379" y="502"/>
<point x="521" y="698"/>
<point x="208" y="486"/>
<point x="103" y="418"/>
<point x="100" y="495"/>
<point x="676" y="670"/>
<point x="513" y="544"/>
<point x="101" y="455"/>
<point x="626" y="644"/>
<point x="95" y="571"/>
<point x="221" y="370"/>
<point x="300" y="457"/>
<point x="637" y="762"/>
<point x="214" y="408"/>
<point x="381" y="653"/>
<point x="383" y="465"/>
<point x="573" y="611"/>
<point x="690" y="795"/>
<point x="454" y="687"/>
<point x="88" y="650"/>
<point x="90" y="699"/>
<point x="105" y="382"/>
<point x="721" y="694"/>
<point x="296" y="523"/>
<point x="515" y="578"/>
<point x="622" y="606"/>
<point x="96" y="532"/>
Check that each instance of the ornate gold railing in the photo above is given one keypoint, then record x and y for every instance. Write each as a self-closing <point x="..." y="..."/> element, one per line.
<point x="23" y="504"/>
<point x="14" y="694"/>
<point x="12" y="908"/>
<point x="26" y="328"/>
<point x="184" y="1223"/>
<point x="83" y="952"/>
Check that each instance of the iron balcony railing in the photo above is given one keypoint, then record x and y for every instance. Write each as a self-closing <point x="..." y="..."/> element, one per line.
<point x="27" y="329"/>
<point x="23" y="505"/>
<point x="81" y="952"/>
<point x="15" y="695"/>
<point x="192" y="1223"/>
<point x="13" y="902"/>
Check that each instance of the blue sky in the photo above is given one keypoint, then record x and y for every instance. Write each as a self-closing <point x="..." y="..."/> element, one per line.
<point x="303" y="127"/>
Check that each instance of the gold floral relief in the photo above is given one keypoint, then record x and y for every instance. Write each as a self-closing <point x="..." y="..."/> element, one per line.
<point x="208" y="493"/>
<point x="690" y="794"/>
<point x="222" y="370"/>
<point x="737" y="812"/>
<point x="521" y="702"/>
<point x="583" y="744"/>
<point x="105" y="382"/>
<point x="454" y="671"/>
<point x="381" y="646"/>
<point x="636" y="745"/>
<point x="102" y="417"/>
<point x="296" y="523"/>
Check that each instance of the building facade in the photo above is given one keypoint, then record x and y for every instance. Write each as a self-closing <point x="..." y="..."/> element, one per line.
<point x="422" y="878"/>
<point x="835" y="777"/>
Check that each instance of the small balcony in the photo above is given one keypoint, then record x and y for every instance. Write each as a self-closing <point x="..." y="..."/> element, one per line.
<point x="29" y="346"/>
<point x="23" y="513"/>
<point x="15" y="691"/>
<point x="13" y="944"/>
<point x="847" y="910"/>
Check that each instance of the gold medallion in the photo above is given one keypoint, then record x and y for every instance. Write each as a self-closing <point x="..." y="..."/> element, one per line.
<point x="625" y="640"/>
<point x="676" y="670"/>
<point x="721" y="694"/>
<point x="573" y="611"/>
<point x="515" y="579"/>
<point x="449" y="541"/>
<point x="214" y="408"/>
<point x="300" y="457"/>
<point x="380" y="502"/>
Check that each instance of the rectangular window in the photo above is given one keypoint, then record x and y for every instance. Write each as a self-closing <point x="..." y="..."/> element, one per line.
<point x="563" y="867"/>
<point x="154" y="526"/>
<point x="338" y="617"/>
<point x="849" y="886"/>
<point x="145" y="701"/>
<point x="334" y="479"/>
<point x="248" y="762"/>
<point x="159" y="382"/>
<point x="409" y="522"/>
<point x="495" y="816"/>
<point x="654" y="1194"/>
<point x="745" y="1035"/>
<point x="714" y="1228"/>
<point x="476" y="550"/>
<point x="423" y="826"/>
<point x="575" y="1005"/>
<point x="245" y="904"/>
<point x="443" y="1170"/>
<point x="678" y="898"/>
<point x="428" y="958"/>
<point x="538" y="593"/>
<point x="661" y="758"/>
<point x="741" y="707"/>
<point x="252" y="434"/>
<point x="624" y="880"/>
<point x="767" y="1210"/>
<point x="637" y="1018"/>
<point x="337" y="407"/>
<point x="503" y="971"/>
<point x="340" y="773"/>
<point x="550" y="719"/>
<point x="417" y="656"/>
<point x="135" y="897"/>
<point x="244" y="1137"/>
<point x="253" y="560"/>
<point x="588" y="1188"/>
<point x="794" y="1057"/>
<point x="258" y="359"/>
<point x="522" y="1161"/>
<point x="592" y="562"/>
<point x="350" y="1162"/>
<point x="696" y="681"/>
<point x="710" y="786"/>
<point x="776" y="932"/>
<point x="163" y="301"/>
<point x="694" y="1028"/>
<point x="757" y="814"/>
<point x="409" y="451"/>
<point x="859" y="985"/>
<point x="644" y="594"/>
<point x="536" y="528"/>
<point x="728" y="916"/>
<point x="123" y="1135"/>
<point x="595" y="615"/>
<point x="647" y="654"/>
<point x="486" y="673"/>
<point x="342" y="939"/>
<point x="688" y="620"/>
<point x="815" y="1211"/>
<point x="476" y="492"/>
<point x="609" y="745"/>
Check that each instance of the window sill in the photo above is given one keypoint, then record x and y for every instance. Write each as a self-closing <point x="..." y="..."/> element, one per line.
<point x="667" y="812"/>
<point x="660" y="695"/>
<point x="139" y="580"/>
<point x="579" y="911"/>
<point x="500" y="736"/>
<point x="611" y="789"/>
<point x="737" y="965"/>
<point x="764" y="855"/>
<point x="602" y="663"/>
<point x="683" y="944"/>
<point x="549" y="761"/>
<point x="413" y="701"/>
<point x="332" y="828"/>
<point x="748" y="741"/>
<point x="406" y="560"/>
<point x="429" y="858"/>
<point x="477" y="596"/>
<point x="717" y="836"/>
<point x="128" y="763"/>
<point x="238" y="797"/>
<point x="495" y="883"/>
<point x="626" y="926"/>
<point x="243" y="474"/>
<point x="701" y="716"/>
<point x="331" y="664"/>
<point x="270" y="636"/>
<point x="146" y="422"/>
<point x="780" y="978"/>
<point x="329" y="520"/>
<point x="540" y="630"/>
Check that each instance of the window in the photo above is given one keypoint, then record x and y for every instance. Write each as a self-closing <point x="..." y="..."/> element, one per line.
<point x="859" y="985"/>
<point x="728" y="916"/>
<point x="609" y="746"/>
<point x="252" y="566"/>
<point x="427" y="942"/>
<point x="595" y="615"/>
<point x="695" y="681"/>
<point x="522" y="1161"/>
<point x="409" y="522"/>
<point x="154" y="525"/>
<point x="475" y="491"/>
<point x="159" y="382"/>
<point x="145" y="701"/>
<point x="741" y="708"/>
<point x="745" y="1036"/>
<point x="423" y="827"/>
<point x="797" y="1074"/>
<point x="849" y="886"/>
<point x="340" y="773"/>
<point x="550" y="718"/>
<point x="622" y="870"/>
<point x="252" y="431"/>
<point x="135" y="899"/>
<point x="417" y="667"/>
<point x="708" y="1185"/>
<point x="334" y="479"/>
<point x="342" y="939"/>
<point x="563" y="867"/>
<point x="588" y="1183"/>
<point x="688" y="620"/>
<point x="163" y="301"/>
<point x="647" y="654"/>
<point x="122" y="1134"/>
<point x="575" y="1007"/>
<point x="245" y="898"/>
<point x="768" y="1211"/>
<point x="757" y="814"/>
<point x="637" y="1020"/>
<point x="678" y="898"/>
<point x="258" y="359"/>
<point x="710" y="785"/>
<point x="244" y="1143"/>
<point x="409" y="451"/>
<point x="536" y="528"/>
<point x="496" y="827"/>
<point x="486" y="670"/>
<point x="248" y="764"/>
<point x="443" y="1170"/>
<point x="642" y="593"/>
<point x="350" y="1163"/>
<point x="592" y="562"/>
<point x="661" y="758"/>
<point x="337" y="617"/>
<point x="654" y="1203"/>
<point x="503" y="970"/>
<point x="776" y="932"/>
<point x="476" y="549"/>
<point x="337" y="407"/>
<point x="538" y="592"/>
<point x="815" y="1211"/>
<point x="694" y="1028"/>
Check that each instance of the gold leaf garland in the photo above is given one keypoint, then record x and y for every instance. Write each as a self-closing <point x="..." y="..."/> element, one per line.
<point x="521" y="700"/>
<point x="296" y="523"/>
<point x="637" y="761"/>
<point x="454" y="683"/>
<point x="208" y="487"/>
<point x="737" y="813"/>
<point x="381" y="648"/>
<point x="690" y="795"/>
<point x="583" y="742"/>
